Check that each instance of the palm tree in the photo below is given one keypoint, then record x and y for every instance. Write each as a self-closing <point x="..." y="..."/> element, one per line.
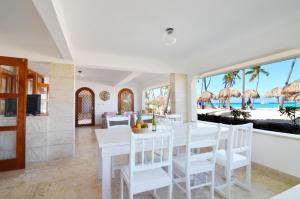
<point x="229" y="80"/>
<point x="288" y="79"/>
<point x="243" y="90"/>
<point x="290" y="72"/>
<point x="205" y="89"/>
<point x="255" y="72"/>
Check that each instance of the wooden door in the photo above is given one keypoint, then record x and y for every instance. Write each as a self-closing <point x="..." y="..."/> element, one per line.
<point x="84" y="107"/>
<point x="13" y="74"/>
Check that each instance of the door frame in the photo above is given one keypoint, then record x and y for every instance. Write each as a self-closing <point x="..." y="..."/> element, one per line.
<point x="19" y="161"/>
<point x="76" y="107"/>
<point x="119" y="99"/>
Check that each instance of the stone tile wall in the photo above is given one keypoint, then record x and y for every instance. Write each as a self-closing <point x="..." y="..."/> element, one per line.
<point x="178" y="94"/>
<point x="36" y="138"/>
<point x="61" y="124"/>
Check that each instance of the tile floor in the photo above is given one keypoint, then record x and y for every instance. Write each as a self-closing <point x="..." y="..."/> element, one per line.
<point x="76" y="178"/>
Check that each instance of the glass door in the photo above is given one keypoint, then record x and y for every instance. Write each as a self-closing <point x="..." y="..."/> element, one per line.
<point x="13" y="77"/>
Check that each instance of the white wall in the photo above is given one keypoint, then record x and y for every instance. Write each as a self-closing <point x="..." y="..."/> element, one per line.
<point x="277" y="150"/>
<point x="112" y="104"/>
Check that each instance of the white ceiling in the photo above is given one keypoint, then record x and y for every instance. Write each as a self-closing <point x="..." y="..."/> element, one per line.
<point x="108" y="77"/>
<point x="128" y="35"/>
<point x="116" y="77"/>
<point x="42" y="68"/>
<point x="23" y="32"/>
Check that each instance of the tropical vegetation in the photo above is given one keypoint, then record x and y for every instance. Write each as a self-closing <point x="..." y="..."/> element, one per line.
<point x="290" y="112"/>
<point x="157" y="100"/>
<point x="255" y="72"/>
<point x="236" y="113"/>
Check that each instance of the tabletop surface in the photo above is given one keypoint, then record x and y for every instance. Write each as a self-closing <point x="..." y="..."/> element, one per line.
<point x="121" y="136"/>
<point x="291" y="193"/>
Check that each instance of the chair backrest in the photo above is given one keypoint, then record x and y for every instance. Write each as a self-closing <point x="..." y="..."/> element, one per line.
<point x="175" y="118"/>
<point x="151" y="151"/>
<point x="207" y="140"/>
<point x="118" y="121"/>
<point x="240" y="140"/>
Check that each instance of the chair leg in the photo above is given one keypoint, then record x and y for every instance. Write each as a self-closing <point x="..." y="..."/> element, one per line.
<point x="188" y="187"/>
<point x="155" y="193"/>
<point x="248" y="177"/>
<point x="212" y="186"/>
<point x="228" y="183"/>
<point x="130" y="193"/>
<point x="122" y="188"/>
<point x="113" y="167"/>
<point x="170" y="191"/>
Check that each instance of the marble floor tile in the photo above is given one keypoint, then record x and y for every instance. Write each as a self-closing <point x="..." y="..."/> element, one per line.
<point x="76" y="178"/>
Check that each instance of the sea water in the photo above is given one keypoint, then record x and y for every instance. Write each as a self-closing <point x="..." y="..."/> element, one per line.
<point x="258" y="105"/>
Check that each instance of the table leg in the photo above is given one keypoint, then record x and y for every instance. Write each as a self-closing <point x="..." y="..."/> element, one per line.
<point x="100" y="164"/>
<point x="106" y="177"/>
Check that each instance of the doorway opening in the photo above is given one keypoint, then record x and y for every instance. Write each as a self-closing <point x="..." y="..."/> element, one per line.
<point x="84" y="107"/>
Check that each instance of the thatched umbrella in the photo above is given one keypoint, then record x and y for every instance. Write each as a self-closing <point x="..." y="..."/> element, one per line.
<point x="226" y="93"/>
<point x="275" y="92"/>
<point x="216" y="97"/>
<point x="294" y="97"/>
<point x="292" y="88"/>
<point x="251" y="94"/>
<point x="206" y="96"/>
<point x="229" y="92"/>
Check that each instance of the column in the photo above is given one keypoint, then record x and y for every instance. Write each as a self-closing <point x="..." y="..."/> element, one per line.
<point x="61" y="125"/>
<point x="178" y="94"/>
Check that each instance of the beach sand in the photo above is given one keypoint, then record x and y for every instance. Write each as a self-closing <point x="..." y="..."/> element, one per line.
<point x="271" y="114"/>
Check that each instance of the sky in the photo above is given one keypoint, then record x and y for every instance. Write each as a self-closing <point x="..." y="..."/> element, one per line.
<point x="277" y="77"/>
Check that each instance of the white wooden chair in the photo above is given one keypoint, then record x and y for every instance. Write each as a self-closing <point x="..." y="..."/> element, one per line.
<point x="236" y="155"/>
<point x="120" y="122"/>
<point x="196" y="164"/>
<point x="175" y="118"/>
<point x="147" y="171"/>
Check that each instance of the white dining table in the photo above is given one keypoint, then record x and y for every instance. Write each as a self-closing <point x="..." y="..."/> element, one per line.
<point x="116" y="141"/>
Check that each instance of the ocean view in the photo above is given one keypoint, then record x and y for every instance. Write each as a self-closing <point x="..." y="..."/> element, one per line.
<point x="259" y="105"/>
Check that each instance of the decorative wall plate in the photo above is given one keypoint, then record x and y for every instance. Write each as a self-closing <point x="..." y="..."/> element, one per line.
<point x="104" y="95"/>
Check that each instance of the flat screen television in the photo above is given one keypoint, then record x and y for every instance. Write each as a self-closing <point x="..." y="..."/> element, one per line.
<point x="10" y="107"/>
<point x="33" y="104"/>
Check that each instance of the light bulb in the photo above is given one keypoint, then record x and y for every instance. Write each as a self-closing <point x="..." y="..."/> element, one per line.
<point x="80" y="74"/>
<point x="169" y="37"/>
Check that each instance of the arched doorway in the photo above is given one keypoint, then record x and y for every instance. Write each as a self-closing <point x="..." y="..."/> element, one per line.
<point x="125" y="100"/>
<point x="84" y="107"/>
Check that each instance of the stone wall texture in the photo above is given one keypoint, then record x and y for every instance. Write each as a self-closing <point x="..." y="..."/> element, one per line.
<point x="178" y="94"/>
<point x="61" y="122"/>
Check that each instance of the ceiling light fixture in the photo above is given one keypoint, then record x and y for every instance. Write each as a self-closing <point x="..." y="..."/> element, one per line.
<point x="80" y="74"/>
<point x="169" y="37"/>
